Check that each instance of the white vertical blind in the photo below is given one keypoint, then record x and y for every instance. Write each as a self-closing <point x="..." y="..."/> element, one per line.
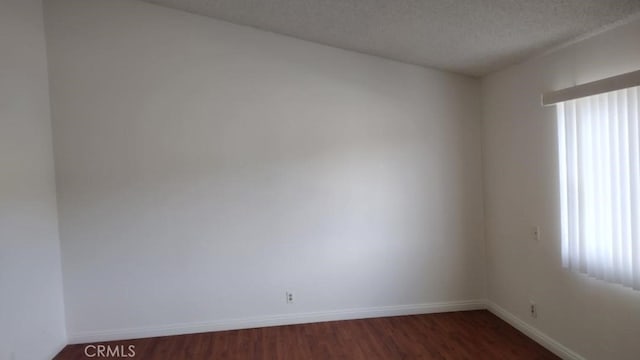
<point x="599" y="152"/>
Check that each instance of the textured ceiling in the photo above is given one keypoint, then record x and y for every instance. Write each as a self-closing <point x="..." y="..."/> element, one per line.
<point x="472" y="37"/>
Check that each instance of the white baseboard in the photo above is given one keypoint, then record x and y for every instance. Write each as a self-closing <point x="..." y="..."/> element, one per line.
<point x="535" y="334"/>
<point x="56" y="352"/>
<point x="273" y="320"/>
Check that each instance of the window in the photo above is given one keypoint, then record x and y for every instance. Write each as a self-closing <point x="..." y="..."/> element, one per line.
<point x="599" y="163"/>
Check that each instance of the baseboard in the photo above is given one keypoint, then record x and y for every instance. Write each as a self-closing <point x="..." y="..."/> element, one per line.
<point x="273" y="320"/>
<point x="311" y="317"/>
<point x="56" y="352"/>
<point x="535" y="334"/>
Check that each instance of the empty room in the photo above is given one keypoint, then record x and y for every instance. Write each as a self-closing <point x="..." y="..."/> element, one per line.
<point x="319" y="179"/>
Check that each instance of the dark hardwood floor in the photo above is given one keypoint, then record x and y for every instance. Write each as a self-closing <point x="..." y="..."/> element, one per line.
<point x="455" y="335"/>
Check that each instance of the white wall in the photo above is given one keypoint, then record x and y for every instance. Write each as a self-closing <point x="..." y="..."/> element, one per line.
<point x="204" y="168"/>
<point x="31" y="305"/>
<point x="595" y="319"/>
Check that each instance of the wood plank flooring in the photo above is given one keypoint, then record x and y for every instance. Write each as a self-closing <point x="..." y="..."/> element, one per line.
<point x="455" y="335"/>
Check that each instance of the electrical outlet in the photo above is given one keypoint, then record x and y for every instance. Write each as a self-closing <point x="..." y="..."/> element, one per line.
<point x="533" y="310"/>
<point x="290" y="297"/>
<point x="535" y="233"/>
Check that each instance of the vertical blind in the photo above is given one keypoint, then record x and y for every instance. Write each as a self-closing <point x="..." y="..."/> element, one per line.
<point x="599" y="153"/>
